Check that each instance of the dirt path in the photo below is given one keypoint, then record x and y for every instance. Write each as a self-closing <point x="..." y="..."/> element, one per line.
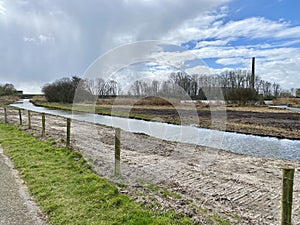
<point x="244" y="189"/>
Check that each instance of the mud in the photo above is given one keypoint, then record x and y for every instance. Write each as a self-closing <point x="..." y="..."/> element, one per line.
<point x="243" y="189"/>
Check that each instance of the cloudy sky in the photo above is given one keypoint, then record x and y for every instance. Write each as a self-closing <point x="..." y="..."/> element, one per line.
<point x="44" y="40"/>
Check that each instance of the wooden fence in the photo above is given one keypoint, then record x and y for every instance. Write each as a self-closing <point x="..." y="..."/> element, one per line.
<point x="287" y="175"/>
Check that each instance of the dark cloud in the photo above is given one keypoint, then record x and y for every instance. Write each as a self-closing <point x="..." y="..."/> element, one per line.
<point x="41" y="41"/>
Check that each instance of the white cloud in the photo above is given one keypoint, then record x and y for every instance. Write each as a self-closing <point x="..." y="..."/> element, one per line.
<point x="199" y="70"/>
<point x="40" y="39"/>
<point x="232" y="61"/>
<point x="176" y="59"/>
<point x="196" y="28"/>
<point x="46" y="38"/>
<point x="29" y="39"/>
<point x="213" y="26"/>
<point x="243" y="52"/>
<point x="2" y="8"/>
<point x="202" y="44"/>
<point x="255" y="27"/>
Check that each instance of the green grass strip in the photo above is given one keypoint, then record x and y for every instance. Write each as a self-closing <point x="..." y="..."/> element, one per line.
<point x="68" y="191"/>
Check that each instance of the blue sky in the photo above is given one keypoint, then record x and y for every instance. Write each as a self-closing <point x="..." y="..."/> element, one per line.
<point x="41" y="41"/>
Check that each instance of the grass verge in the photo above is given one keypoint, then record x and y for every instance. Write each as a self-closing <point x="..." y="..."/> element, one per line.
<point x="68" y="191"/>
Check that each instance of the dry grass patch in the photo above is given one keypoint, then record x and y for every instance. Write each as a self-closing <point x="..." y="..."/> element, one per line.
<point x="293" y="102"/>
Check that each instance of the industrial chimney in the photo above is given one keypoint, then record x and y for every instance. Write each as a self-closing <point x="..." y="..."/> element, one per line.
<point x="253" y="73"/>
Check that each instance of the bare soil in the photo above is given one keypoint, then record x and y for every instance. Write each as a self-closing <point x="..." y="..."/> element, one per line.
<point x="243" y="189"/>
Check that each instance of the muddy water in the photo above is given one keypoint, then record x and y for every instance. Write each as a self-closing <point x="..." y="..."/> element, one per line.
<point x="234" y="142"/>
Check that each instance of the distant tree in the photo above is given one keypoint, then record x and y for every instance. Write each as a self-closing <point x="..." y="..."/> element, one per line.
<point x="293" y="91"/>
<point x="298" y="92"/>
<point x="7" y="89"/>
<point x="285" y="94"/>
<point x="63" y="90"/>
<point x="276" y="90"/>
<point x="241" y="96"/>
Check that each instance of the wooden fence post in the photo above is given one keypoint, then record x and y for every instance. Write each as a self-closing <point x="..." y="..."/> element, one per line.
<point x="117" y="151"/>
<point x="29" y="119"/>
<point x="287" y="195"/>
<point x="5" y="115"/>
<point x="43" y="124"/>
<point x="68" y="131"/>
<point x="20" y="116"/>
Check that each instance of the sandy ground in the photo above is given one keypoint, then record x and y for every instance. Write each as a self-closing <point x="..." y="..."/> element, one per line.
<point x="243" y="189"/>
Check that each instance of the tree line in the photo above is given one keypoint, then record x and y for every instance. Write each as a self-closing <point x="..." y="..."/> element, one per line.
<point x="65" y="89"/>
<point x="235" y="85"/>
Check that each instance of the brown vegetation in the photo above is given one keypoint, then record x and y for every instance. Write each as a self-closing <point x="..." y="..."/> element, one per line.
<point x="141" y="101"/>
<point x="6" y="100"/>
<point x="292" y="102"/>
<point x="39" y="99"/>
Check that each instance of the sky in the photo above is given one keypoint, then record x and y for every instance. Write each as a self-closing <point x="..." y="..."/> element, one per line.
<point x="44" y="40"/>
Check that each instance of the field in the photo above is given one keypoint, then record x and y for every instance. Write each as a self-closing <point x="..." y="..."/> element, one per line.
<point x="258" y="120"/>
<point x="204" y="184"/>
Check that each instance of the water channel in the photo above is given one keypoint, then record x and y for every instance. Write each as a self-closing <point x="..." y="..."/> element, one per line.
<point x="229" y="141"/>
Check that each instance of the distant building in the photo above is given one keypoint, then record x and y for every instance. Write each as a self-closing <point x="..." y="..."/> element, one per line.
<point x="20" y="93"/>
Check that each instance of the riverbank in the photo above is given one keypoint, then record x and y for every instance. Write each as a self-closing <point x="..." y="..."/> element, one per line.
<point x="6" y="100"/>
<point x="256" y="120"/>
<point x="291" y="102"/>
<point x="243" y="189"/>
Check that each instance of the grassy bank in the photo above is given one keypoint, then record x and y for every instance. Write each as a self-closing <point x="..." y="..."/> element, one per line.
<point x="292" y="102"/>
<point x="68" y="190"/>
<point x="108" y="110"/>
<point x="6" y="100"/>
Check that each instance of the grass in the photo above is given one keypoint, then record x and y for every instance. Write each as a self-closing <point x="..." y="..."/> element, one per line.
<point x="150" y="100"/>
<point x="160" y="190"/>
<point x="293" y="102"/>
<point x="6" y="100"/>
<point x="106" y="110"/>
<point x="68" y="191"/>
